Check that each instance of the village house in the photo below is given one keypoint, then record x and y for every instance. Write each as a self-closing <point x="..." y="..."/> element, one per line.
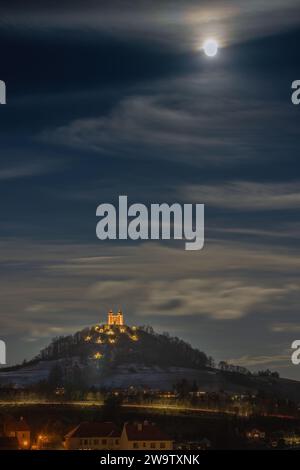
<point x="93" y="436"/>
<point x="18" y="429"/>
<point x="144" y="436"/>
<point x="106" y="436"/>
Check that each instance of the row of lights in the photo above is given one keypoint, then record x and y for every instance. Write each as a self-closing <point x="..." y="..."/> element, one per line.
<point x="110" y="332"/>
<point x="98" y="355"/>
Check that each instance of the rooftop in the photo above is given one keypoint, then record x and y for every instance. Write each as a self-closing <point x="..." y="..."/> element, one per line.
<point x="86" y="429"/>
<point x="13" y="425"/>
<point x="144" y="432"/>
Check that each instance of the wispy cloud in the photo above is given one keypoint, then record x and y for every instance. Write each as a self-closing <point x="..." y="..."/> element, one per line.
<point x="243" y="195"/>
<point x="285" y="327"/>
<point x="226" y="300"/>
<point x="285" y="231"/>
<point x="184" y="124"/>
<point x="255" y="361"/>
<point x="25" y="169"/>
<point x="184" y="285"/>
<point x="176" y="23"/>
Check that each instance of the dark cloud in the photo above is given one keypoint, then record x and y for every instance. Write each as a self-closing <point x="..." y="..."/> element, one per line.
<point x="183" y="22"/>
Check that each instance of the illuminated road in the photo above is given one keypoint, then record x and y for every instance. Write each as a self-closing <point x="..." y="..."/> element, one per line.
<point x="175" y="408"/>
<point x="126" y="405"/>
<point x="179" y="408"/>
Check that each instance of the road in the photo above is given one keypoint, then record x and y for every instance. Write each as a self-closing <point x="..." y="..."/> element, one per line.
<point x="175" y="408"/>
<point x="125" y="405"/>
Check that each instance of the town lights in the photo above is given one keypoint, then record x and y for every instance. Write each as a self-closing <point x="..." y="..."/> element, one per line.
<point x="134" y="338"/>
<point x="87" y="338"/>
<point x="98" y="355"/>
<point x="112" y="340"/>
<point x="42" y="439"/>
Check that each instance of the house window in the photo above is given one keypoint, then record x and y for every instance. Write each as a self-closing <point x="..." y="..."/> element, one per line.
<point x="162" y="445"/>
<point x="85" y="442"/>
<point x="104" y="442"/>
<point x="135" y="445"/>
<point x="117" y="442"/>
<point x="152" y="445"/>
<point x="96" y="442"/>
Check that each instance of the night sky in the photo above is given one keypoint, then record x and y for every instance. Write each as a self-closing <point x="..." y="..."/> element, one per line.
<point x="115" y="97"/>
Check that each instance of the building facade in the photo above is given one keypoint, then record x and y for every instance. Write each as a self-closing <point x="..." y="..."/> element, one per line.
<point x="144" y="436"/>
<point x="93" y="436"/>
<point x="106" y="436"/>
<point x="19" y="430"/>
<point x="115" y="318"/>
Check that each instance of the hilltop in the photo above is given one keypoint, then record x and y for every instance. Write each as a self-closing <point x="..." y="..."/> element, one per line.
<point x="121" y="344"/>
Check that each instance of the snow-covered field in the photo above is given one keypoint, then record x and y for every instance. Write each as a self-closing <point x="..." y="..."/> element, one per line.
<point x="156" y="378"/>
<point x="26" y="375"/>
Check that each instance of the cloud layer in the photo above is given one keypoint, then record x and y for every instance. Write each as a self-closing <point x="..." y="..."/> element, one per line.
<point x="249" y="196"/>
<point x="181" y="24"/>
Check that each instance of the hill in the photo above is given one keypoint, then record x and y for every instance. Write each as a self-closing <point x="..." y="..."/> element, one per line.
<point x="117" y="345"/>
<point x="121" y="357"/>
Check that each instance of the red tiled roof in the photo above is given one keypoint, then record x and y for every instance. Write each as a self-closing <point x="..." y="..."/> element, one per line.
<point x="94" y="430"/>
<point x="17" y="426"/>
<point x="144" y="432"/>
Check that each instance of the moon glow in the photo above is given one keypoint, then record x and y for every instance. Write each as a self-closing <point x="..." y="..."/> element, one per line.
<point x="210" y="47"/>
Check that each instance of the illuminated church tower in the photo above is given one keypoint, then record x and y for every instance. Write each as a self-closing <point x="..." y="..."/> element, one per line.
<point x="115" y="319"/>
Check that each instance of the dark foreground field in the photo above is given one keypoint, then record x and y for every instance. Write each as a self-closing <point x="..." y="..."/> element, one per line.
<point x="224" y="431"/>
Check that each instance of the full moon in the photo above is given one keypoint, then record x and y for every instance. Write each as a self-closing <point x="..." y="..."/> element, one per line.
<point x="210" y="47"/>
